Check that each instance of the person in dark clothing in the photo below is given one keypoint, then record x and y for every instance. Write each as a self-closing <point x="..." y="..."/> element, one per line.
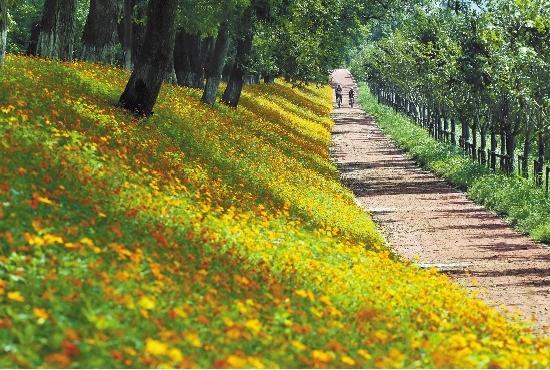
<point x="351" y="96"/>
<point x="338" y="91"/>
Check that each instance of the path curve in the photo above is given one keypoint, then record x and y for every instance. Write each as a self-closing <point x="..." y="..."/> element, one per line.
<point x="423" y="217"/>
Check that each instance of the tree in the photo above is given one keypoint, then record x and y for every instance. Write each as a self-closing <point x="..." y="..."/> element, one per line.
<point x="100" y="32"/>
<point x="127" y="34"/>
<point x="57" y="29"/>
<point x="215" y="66"/>
<point x="3" y="29"/>
<point x="245" y="35"/>
<point x="154" y="60"/>
<point x="190" y="57"/>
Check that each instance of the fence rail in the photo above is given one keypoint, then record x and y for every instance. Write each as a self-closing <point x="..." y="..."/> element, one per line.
<point x="444" y="130"/>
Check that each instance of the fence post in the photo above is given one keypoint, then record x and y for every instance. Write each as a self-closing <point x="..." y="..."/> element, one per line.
<point x="547" y="178"/>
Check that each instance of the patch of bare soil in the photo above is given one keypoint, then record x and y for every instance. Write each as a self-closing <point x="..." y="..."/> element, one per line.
<point x="423" y="217"/>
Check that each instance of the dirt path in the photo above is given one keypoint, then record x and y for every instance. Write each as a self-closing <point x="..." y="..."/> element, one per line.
<point x="423" y="217"/>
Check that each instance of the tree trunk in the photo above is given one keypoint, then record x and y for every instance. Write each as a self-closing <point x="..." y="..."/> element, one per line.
<point x="503" y="160"/>
<point x="154" y="60"/>
<point x="208" y="46"/>
<point x="216" y="64"/>
<point x="474" y="139"/>
<point x="57" y="29"/>
<point x="465" y="132"/>
<point x="35" y="33"/>
<point x="540" y="158"/>
<point x="138" y="34"/>
<point x="493" y="149"/>
<point x="526" y="151"/>
<point x="182" y="64"/>
<point x="47" y="40"/>
<point x="439" y="125"/>
<point x="187" y="59"/>
<point x="483" y="144"/>
<point x="453" y="131"/>
<point x="100" y="32"/>
<point x="127" y="34"/>
<point x="234" y="87"/>
<point x="446" y="126"/>
<point x="510" y="150"/>
<point x="3" y="30"/>
<point x="171" y="77"/>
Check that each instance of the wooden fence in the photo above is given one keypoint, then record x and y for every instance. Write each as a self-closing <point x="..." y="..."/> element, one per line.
<point x="504" y="163"/>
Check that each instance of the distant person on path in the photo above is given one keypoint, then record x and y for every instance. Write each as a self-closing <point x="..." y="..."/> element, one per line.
<point x="351" y="95"/>
<point x="339" y="95"/>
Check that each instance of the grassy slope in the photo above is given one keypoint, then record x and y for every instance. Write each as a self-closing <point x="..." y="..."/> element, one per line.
<point x="515" y="197"/>
<point x="205" y="237"/>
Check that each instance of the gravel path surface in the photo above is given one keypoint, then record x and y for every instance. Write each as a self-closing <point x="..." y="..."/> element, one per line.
<point x="423" y="217"/>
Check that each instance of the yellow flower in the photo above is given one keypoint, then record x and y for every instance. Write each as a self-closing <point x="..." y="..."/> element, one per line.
<point x="175" y="355"/>
<point x="193" y="339"/>
<point x="254" y="325"/>
<point x="348" y="360"/>
<point x="52" y="239"/>
<point x="87" y="242"/>
<point x="236" y="361"/>
<point x="322" y="356"/>
<point x="40" y="313"/>
<point x="35" y="240"/>
<point x="45" y="200"/>
<point x="16" y="296"/>
<point x="155" y="347"/>
<point x="365" y="354"/>
<point x="298" y="345"/>
<point x="146" y="303"/>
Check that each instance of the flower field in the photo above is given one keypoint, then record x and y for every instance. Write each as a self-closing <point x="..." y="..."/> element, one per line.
<point x="206" y="237"/>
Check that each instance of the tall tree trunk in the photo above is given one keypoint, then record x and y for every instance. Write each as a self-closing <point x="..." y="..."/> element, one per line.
<point x="493" y="149"/>
<point x="100" y="32"/>
<point x="483" y="144"/>
<point x="453" y="130"/>
<point x="234" y="87"/>
<point x="3" y="30"/>
<point x="208" y="46"/>
<point x="138" y="33"/>
<point x="189" y="55"/>
<point x="182" y="64"/>
<point x="540" y="157"/>
<point x="510" y="151"/>
<point x="440" y="133"/>
<point x="127" y="34"/>
<point x="35" y="33"/>
<point x="155" y="58"/>
<point x="526" y="150"/>
<point x="216" y="64"/>
<point x="503" y="160"/>
<point x="465" y="132"/>
<point x="171" y="77"/>
<point x="66" y="28"/>
<point x="446" y="125"/>
<point x="57" y="29"/>
<point x="474" y="138"/>
<point x="47" y="39"/>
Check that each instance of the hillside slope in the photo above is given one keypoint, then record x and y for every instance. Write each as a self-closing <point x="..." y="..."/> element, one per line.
<point x="206" y="237"/>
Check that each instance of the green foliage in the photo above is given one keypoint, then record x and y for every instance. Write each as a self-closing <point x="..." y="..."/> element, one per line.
<point x="485" y="65"/>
